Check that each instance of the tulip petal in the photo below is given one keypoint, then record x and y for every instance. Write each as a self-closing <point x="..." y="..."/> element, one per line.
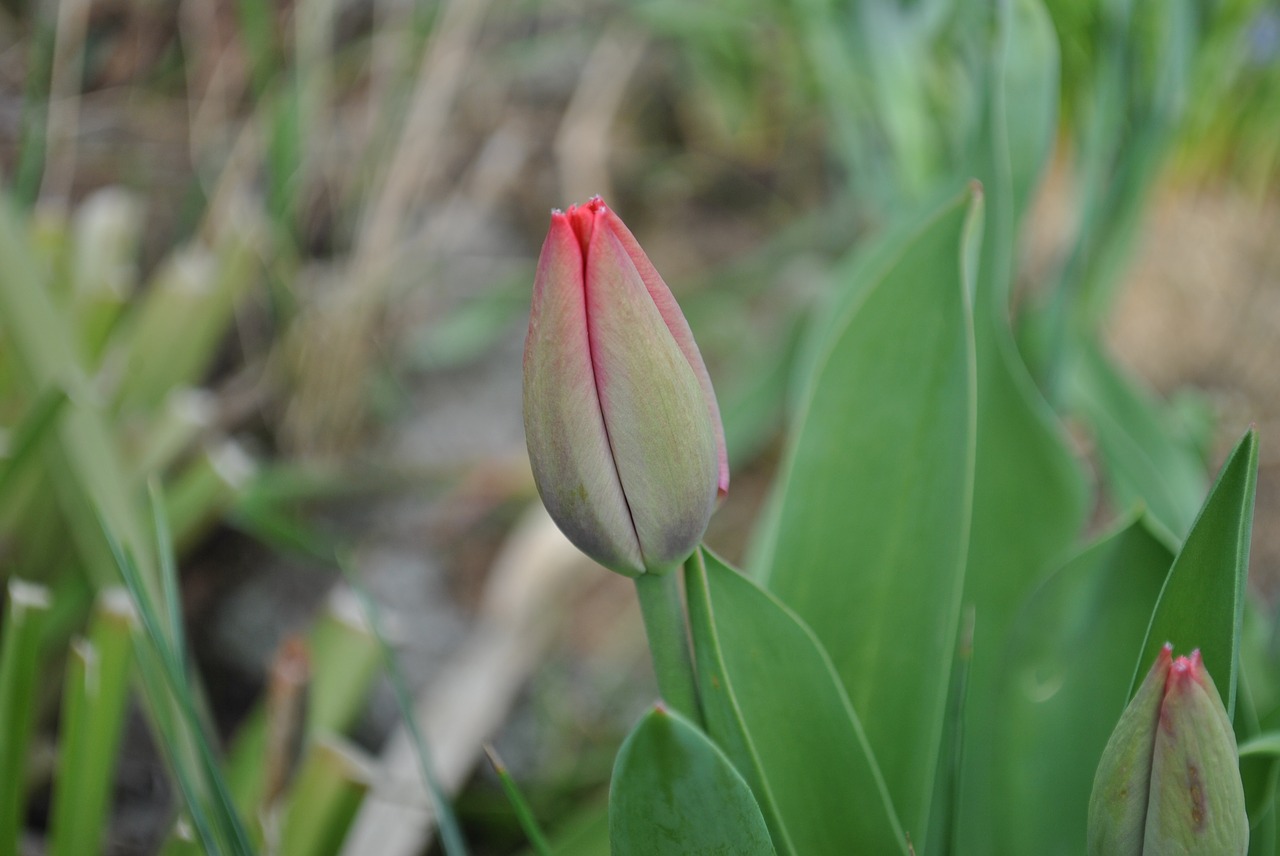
<point x="655" y="410"/>
<point x="564" y="423"/>
<point x="679" y="329"/>
<point x="1197" y="799"/>
<point x="1118" y="805"/>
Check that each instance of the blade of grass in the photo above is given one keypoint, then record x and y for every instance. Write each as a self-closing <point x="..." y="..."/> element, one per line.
<point x="97" y="682"/>
<point x="176" y="753"/>
<point x="524" y="814"/>
<point x="168" y="571"/>
<point x="169" y="688"/>
<point x="19" y="662"/>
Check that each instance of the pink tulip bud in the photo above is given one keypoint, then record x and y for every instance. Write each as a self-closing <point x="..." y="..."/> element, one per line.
<point x="623" y="429"/>
<point x="1169" y="779"/>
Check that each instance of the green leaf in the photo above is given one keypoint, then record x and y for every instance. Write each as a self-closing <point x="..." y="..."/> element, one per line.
<point x="1202" y="604"/>
<point x="178" y="719"/>
<point x="673" y="791"/>
<point x="1029" y="498"/>
<point x="773" y="701"/>
<point x="1067" y="682"/>
<point x="873" y="518"/>
<point x="1144" y="459"/>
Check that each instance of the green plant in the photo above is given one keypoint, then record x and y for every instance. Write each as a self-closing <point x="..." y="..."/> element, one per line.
<point x="905" y="640"/>
<point x="849" y="674"/>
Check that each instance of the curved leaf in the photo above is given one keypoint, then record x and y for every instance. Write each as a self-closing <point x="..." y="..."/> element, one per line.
<point x="1066" y="683"/>
<point x="772" y="699"/>
<point x="873" y="515"/>
<point x="1029" y="497"/>
<point x="1202" y="603"/>
<point x="673" y="791"/>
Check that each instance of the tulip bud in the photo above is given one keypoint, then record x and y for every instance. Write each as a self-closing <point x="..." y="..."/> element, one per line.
<point x="1169" y="779"/>
<point x="622" y="425"/>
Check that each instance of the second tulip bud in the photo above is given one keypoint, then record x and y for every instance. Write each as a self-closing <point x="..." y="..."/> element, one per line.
<point x="1169" y="780"/>
<point x="622" y="425"/>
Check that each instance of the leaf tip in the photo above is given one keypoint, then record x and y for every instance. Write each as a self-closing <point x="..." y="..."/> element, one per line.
<point x="494" y="760"/>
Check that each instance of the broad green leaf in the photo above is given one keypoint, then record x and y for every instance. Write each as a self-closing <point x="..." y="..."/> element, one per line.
<point x="1202" y="604"/>
<point x="773" y="701"/>
<point x="852" y="277"/>
<point x="873" y="518"/>
<point x="1066" y="684"/>
<point x="673" y="791"/>
<point x="1029" y="496"/>
<point x="1144" y="459"/>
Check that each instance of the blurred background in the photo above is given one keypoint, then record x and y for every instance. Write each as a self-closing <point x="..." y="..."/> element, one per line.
<point x="275" y="261"/>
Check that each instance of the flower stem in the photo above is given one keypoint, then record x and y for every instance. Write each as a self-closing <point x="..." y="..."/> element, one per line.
<point x="664" y="624"/>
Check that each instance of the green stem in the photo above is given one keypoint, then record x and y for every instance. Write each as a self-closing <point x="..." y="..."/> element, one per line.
<point x="664" y="624"/>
